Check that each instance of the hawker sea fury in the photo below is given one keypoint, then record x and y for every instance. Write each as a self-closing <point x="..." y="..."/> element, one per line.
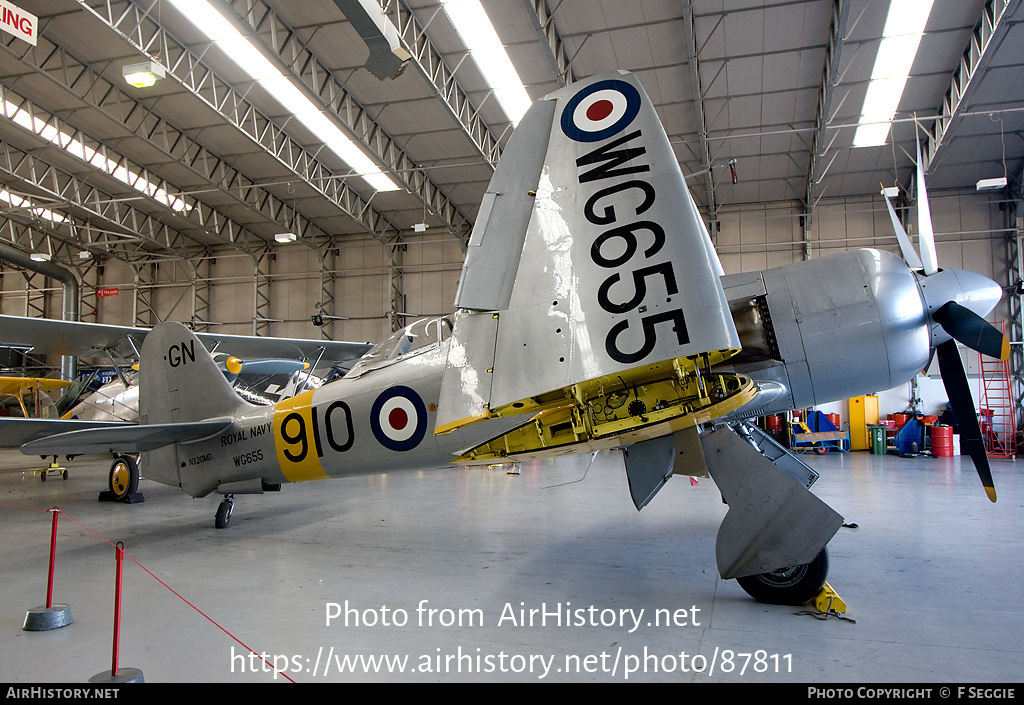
<point x="591" y="315"/>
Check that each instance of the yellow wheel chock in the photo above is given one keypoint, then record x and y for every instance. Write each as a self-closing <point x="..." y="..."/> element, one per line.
<point x="828" y="601"/>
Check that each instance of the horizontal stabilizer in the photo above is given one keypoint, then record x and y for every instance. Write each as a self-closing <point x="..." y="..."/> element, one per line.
<point x="15" y="432"/>
<point x="125" y="438"/>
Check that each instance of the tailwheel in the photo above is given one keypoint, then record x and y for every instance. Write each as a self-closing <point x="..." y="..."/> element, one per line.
<point x="124" y="477"/>
<point x="224" y="512"/>
<point x="794" y="585"/>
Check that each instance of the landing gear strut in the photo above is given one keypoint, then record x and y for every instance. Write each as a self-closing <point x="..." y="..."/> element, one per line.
<point x="224" y="511"/>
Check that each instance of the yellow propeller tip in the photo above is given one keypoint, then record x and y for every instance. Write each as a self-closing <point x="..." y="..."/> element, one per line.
<point x="1004" y="352"/>
<point x="991" y="492"/>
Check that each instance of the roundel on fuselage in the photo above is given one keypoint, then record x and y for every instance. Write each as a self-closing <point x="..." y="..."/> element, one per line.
<point x="600" y="110"/>
<point x="398" y="419"/>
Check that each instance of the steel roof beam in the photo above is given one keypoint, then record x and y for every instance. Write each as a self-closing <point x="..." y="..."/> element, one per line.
<point x="826" y="93"/>
<point x="698" y="108"/>
<point x="988" y="34"/>
<point x="561" y="63"/>
<point x="74" y="198"/>
<point x="200" y="216"/>
<point x="430" y="64"/>
<point x="140" y="31"/>
<point x="337" y="101"/>
<point x="66" y="71"/>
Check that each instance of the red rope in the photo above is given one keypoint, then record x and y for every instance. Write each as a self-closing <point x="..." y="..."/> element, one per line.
<point x="152" y="575"/>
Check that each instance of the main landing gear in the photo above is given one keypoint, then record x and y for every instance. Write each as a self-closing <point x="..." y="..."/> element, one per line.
<point x="224" y="511"/>
<point x="123" y="481"/>
<point x="794" y="585"/>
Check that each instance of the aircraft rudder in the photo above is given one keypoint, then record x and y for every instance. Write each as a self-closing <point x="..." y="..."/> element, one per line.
<point x="179" y="381"/>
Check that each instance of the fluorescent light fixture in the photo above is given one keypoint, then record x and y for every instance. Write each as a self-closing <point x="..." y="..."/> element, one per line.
<point x="84" y="254"/>
<point x="39" y="257"/>
<point x="900" y="40"/>
<point x="286" y="237"/>
<point x="419" y="228"/>
<point x="143" y="75"/>
<point x="891" y="191"/>
<point x="251" y="60"/>
<point x="991" y="184"/>
<point x="89" y="155"/>
<point x="478" y="35"/>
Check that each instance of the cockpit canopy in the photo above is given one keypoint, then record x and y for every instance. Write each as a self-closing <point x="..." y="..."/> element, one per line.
<point x="411" y="340"/>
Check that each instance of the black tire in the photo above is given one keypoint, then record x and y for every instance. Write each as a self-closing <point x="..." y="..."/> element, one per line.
<point x="223" y="515"/>
<point x="124" y="477"/>
<point x="788" y="586"/>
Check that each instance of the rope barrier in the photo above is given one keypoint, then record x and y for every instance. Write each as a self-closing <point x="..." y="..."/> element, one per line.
<point x="118" y="547"/>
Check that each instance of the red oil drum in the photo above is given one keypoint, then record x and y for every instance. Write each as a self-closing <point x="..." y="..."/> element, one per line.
<point x="774" y="424"/>
<point x="942" y="441"/>
<point x="900" y="419"/>
<point x="834" y="418"/>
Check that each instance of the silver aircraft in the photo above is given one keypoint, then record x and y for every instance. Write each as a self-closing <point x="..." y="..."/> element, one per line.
<point x="592" y="313"/>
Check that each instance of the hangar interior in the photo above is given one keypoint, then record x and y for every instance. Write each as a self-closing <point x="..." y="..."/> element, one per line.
<point x="216" y="197"/>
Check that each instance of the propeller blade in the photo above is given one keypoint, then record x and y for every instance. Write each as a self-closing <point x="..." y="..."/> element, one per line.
<point x="234" y="366"/>
<point x="955" y="380"/>
<point x="972" y="330"/>
<point x="926" y="235"/>
<point x="909" y="254"/>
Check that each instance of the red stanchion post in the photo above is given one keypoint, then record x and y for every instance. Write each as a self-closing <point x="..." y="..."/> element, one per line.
<point x="53" y="557"/>
<point x="119" y="563"/>
<point x="49" y="616"/>
<point x="116" y="674"/>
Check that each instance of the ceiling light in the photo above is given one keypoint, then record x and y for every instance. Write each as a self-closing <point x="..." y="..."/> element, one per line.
<point x="39" y="257"/>
<point x="419" y="228"/>
<point x="286" y="237"/>
<point x="478" y="35"/>
<point x="251" y="60"/>
<point x="900" y="39"/>
<point x="143" y="75"/>
<point x="991" y="184"/>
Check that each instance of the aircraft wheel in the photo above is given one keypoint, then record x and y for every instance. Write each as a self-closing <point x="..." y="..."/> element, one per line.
<point x="124" y="477"/>
<point x="224" y="514"/>
<point x="788" y="586"/>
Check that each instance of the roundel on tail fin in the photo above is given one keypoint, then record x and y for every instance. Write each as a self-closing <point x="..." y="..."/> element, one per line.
<point x="600" y="110"/>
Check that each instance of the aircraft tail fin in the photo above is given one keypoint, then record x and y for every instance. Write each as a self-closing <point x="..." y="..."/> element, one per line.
<point x="588" y="263"/>
<point x="179" y="382"/>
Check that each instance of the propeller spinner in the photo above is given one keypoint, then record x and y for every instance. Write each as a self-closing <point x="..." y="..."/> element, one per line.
<point x="956" y="302"/>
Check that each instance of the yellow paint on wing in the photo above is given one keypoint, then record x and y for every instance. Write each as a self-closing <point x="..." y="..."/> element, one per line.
<point x="297" y="439"/>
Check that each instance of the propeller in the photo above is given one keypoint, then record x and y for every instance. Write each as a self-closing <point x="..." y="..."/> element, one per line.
<point x="955" y="302"/>
<point x="233" y="366"/>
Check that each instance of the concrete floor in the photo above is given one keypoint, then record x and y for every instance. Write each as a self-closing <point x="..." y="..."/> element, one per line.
<point x="932" y="575"/>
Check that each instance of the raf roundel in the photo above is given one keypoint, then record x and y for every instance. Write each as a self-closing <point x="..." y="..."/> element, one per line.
<point x="398" y="419"/>
<point x="600" y="110"/>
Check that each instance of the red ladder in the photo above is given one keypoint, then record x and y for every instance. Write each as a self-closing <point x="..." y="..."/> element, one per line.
<point x="998" y="426"/>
